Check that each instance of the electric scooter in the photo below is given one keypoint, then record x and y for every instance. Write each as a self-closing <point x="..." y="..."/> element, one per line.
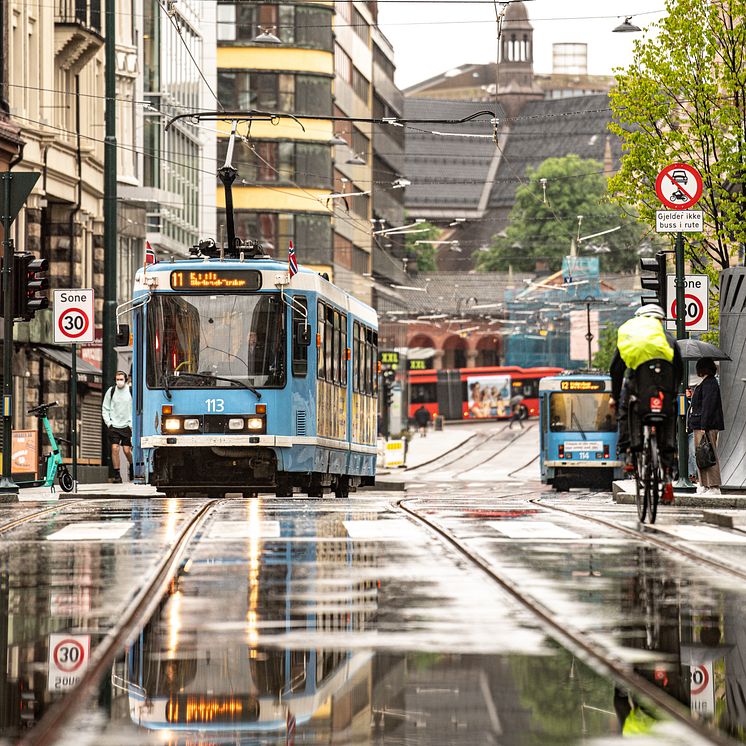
<point x="53" y="460"/>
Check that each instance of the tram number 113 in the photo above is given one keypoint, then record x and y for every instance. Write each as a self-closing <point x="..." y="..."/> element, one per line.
<point x="215" y="405"/>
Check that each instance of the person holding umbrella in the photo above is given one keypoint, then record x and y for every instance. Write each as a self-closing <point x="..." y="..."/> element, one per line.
<point x="706" y="420"/>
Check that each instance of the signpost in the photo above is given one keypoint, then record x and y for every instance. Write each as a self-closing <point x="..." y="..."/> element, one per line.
<point x="16" y="188"/>
<point x="69" y="656"/>
<point x="679" y="187"/>
<point x="73" y="323"/>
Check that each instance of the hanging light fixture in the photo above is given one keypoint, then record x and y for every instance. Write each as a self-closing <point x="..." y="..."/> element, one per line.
<point x="266" y="37"/>
<point x="337" y="140"/>
<point x="626" y="27"/>
<point x="356" y="160"/>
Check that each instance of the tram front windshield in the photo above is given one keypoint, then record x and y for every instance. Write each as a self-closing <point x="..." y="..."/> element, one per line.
<point x="193" y="340"/>
<point x="580" y="413"/>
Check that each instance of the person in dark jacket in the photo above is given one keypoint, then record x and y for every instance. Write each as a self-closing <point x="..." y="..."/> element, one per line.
<point x="706" y="417"/>
<point x="422" y="418"/>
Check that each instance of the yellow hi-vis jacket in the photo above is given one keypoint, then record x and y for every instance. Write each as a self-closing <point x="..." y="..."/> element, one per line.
<point x="642" y="338"/>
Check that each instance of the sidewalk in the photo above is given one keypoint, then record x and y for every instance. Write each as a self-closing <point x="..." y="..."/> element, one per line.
<point x="624" y="494"/>
<point x="90" y="492"/>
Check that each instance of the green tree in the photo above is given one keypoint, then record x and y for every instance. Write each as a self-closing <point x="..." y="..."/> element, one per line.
<point x="544" y="220"/>
<point x="606" y="348"/>
<point x="423" y="254"/>
<point x="683" y="99"/>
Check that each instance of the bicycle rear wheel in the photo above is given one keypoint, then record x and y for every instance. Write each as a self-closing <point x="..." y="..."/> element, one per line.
<point x="652" y="475"/>
<point x="640" y="495"/>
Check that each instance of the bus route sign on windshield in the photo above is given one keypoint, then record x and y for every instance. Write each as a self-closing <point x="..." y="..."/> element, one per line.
<point x="236" y="280"/>
<point x="583" y="385"/>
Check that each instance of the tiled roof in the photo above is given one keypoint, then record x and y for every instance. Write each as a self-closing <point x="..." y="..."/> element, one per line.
<point x="433" y="162"/>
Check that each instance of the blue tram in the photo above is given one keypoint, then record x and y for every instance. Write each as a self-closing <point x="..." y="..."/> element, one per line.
<point x="246" y="379"/>
<point x="578" y="432"/>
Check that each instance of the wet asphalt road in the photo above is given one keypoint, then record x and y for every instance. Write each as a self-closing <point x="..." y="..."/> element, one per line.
<point x="326" y="621"/>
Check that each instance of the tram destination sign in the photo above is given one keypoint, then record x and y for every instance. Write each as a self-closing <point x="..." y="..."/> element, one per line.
<point x="234" y="280"/>
<point x="583" y="385"/>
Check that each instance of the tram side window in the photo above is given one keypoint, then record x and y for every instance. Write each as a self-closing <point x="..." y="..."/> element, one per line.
<point x="337" y="347"/>
<point x="356" y="357"/>
<point x="343" y="351"/>
<point x="331" y="373"/>
<point x="321" y="344"/>
<point x="374" y="342"/>
<point x="300" y="327"/>
<point x="365" y="357"/>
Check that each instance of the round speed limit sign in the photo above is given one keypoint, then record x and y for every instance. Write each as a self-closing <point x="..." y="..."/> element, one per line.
<point x="73" y="316"/>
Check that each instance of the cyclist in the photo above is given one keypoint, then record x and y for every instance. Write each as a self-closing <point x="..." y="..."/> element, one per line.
<point x="641" y="340"/>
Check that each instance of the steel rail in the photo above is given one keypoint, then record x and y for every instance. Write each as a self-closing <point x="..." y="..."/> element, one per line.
<point x="498" y="451"/>
<point x="31" y="516"/>
<point x="132" y="618"/>
<point x="669" y="546"/>
<point x="572" y="639"/>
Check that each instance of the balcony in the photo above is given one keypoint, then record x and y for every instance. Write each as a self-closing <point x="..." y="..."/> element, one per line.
<point x="77" y="33"/>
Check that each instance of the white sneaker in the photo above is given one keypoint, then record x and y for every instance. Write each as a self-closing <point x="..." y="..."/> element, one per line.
<point x="713" y="491"/>
<point x="701" y="490"/>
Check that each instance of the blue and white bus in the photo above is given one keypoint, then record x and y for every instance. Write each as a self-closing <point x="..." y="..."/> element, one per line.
<point x="248" y="380"/>
<point x="578" y="432"/>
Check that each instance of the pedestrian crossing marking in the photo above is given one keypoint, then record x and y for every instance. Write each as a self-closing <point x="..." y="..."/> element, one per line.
<point x="227" y="530"/>
<point x="705" y="534"/>
<point x="532" y="530"/>
<point x="92" y="531"/>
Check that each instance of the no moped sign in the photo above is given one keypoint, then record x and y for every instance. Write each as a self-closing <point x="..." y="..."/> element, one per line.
<point x="73" y="316"/>
<point x="69" y="656"/>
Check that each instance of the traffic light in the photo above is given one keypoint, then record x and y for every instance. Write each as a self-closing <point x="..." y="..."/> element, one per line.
<point x="388" y="386"/>
<point x="29" y="278"/>
<point x="657" y="284"/>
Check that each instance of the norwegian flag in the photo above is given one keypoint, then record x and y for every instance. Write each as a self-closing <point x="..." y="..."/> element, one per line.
<point x="292" y="261"/>
<point x="149" y="254"/>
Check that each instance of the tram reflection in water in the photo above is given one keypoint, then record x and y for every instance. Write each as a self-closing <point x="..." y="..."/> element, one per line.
<point x="578" y="432"/>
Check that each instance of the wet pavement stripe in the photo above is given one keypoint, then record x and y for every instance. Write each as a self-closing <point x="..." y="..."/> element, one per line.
<point x="244" y="530"/>
<point x="706" y="534"/>
<point x="532" y="530"/>
<point x="92" y="531"/>
<point x="395" y="528"/>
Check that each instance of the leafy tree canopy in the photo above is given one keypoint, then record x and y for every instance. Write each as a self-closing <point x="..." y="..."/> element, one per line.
<point x="542" y="228"/>
<point x="423" y="254"/>
<point x="683" y="99"/>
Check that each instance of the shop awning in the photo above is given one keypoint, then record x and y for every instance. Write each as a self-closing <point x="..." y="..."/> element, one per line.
<point x="65" y="359"/>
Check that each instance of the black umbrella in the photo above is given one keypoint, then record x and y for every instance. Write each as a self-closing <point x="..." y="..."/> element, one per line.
<point x="694" y="349"/>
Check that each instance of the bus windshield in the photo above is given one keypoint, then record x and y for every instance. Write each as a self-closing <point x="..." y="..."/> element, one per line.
<point x="235" y="337"/>
<point x="580" y="413"/>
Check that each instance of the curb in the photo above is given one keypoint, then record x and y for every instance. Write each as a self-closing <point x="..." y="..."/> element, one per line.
<point x="691" y="501"/>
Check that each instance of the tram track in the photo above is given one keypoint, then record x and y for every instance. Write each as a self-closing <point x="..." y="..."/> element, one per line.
<point x="646" y="536"/>
<point x="30" y="517"/>
<point x="137" y="613"/>
<point x="572" y="639"/>
<point x="494" y="455"/>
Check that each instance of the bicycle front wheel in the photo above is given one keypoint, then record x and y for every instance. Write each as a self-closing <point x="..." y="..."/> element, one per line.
<point x="652" y="476"/>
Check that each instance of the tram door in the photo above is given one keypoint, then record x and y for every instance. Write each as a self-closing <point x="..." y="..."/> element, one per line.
<point x="450" y="394"/>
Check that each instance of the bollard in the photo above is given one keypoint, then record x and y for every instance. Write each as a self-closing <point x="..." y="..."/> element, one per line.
<point x="438" y="422"/>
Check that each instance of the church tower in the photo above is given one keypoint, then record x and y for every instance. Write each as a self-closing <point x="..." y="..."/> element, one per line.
<point x="516" y="64"/>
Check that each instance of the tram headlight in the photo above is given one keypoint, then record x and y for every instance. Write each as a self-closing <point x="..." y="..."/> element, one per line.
<point x="255" y="423"/>
<point x="172" y="424"/>
<point x="236" y="423"/>
<point x="191" y="423"/>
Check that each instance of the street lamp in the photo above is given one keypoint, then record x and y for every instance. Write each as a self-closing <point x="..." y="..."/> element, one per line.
<point x="266" y="37"/>
<point x="626" y="27"/>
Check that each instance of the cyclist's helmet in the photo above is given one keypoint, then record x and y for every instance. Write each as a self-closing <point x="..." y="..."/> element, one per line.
<point x="652" y="310"/>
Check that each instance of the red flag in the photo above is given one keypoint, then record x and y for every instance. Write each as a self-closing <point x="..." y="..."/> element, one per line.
<point x="149" y="254"/>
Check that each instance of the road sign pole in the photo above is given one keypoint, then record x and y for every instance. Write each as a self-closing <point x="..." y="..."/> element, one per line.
<point x="682" y="483"/>
<point x="8" y="488"/>
<point x="74" y="412"/>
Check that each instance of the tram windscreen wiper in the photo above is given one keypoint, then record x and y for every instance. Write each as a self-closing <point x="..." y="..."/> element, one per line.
<point x="205" y="377"/>
<point x="574" y="418"/>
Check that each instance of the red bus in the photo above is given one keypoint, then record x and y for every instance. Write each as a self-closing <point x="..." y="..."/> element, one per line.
<point x="476" y="393"/>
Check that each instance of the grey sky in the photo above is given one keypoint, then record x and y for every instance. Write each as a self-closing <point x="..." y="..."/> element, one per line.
<point x="430" y="38"/>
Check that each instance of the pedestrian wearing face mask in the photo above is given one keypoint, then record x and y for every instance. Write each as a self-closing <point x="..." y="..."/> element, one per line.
<point x="117" y="413"/>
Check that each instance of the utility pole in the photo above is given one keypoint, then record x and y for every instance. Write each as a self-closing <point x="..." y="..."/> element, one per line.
<point x="110" y="207"/>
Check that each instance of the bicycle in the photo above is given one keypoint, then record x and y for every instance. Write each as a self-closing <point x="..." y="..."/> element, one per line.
<point x="649" y="474"/>
<point x="54" y="468"/>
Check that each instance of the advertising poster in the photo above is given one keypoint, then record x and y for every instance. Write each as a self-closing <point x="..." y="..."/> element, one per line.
<point x="489" y="396"/>
<point x="25" y="453"/>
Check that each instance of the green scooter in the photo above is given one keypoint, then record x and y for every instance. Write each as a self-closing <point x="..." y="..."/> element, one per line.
<point x="53" y="461"/>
